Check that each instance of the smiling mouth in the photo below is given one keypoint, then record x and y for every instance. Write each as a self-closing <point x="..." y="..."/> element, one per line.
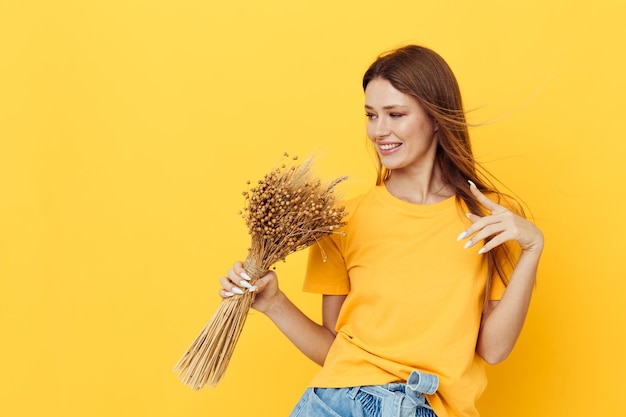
<point x="389" y="146"/>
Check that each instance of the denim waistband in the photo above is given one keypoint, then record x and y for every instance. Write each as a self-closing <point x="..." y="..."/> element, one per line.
<point x="400" y="400"/>
<point x="423" y="382"/>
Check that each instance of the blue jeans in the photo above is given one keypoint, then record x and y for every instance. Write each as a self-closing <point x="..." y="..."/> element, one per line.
<point x="391" y="400"/>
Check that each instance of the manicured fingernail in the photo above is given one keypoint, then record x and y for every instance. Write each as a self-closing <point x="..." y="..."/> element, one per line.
<point x="468" y="215"/>
<point x="471" y="183"/>
<point x="237" y="290"/>
<point x="245" y="284"/>
<point x="253" y="288"/>
<point x="245" y="276"/>
<point x="228" y="294"/>
<point x="461" y="236"/>
<point x="482" y="250"/>
<point x="468" y="244"/>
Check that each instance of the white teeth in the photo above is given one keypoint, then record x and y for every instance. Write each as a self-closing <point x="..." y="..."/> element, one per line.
<point x="388" y="146"/>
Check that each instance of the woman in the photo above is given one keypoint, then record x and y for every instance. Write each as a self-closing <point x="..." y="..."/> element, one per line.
<point x="415" y="295"/>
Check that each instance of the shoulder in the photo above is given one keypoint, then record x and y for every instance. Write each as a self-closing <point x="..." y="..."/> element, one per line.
<point x="351" y="205"/>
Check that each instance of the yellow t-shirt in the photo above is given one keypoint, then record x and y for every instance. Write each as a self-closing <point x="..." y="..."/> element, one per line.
<point x="414" y="298"/>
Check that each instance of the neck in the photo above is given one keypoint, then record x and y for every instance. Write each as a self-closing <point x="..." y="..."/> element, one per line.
<point x="426" y="188"/>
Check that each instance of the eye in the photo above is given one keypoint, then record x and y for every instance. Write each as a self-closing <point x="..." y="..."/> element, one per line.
<point x="395" y="115"/>
<point x="370" y="116"/>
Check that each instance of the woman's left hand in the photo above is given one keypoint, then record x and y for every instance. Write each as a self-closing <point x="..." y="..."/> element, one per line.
<point x="501" y="225"/>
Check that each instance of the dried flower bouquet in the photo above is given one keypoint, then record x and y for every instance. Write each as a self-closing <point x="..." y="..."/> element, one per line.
<point x="287" y="211"/>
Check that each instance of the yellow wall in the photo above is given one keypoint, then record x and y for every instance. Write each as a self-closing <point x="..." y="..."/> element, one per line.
<point x="129" y="128"/>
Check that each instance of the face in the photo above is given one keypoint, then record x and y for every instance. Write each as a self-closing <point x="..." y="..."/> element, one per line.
<point x="401" y="131"/>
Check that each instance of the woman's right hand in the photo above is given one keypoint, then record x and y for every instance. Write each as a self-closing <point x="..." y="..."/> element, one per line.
<point x="313" y="339"/>
<point x="237" y="281"/>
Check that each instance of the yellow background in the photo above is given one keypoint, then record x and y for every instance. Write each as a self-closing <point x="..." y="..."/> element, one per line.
<point x="128" y="130"/>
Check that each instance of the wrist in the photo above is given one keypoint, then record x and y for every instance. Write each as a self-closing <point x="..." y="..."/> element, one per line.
<point x="272" y="307"/>
<point x="535" y="247"/>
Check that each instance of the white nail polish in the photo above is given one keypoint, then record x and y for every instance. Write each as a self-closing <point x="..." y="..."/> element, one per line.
<point x="253" y="288"/>
<point x="482" y="250"/>
<point x="245" y="276"/>
<point x="461" y="236"/>
<point x="468" y="215"/>
<point x="245" y="284"/>
<point x="471" y="183"/>
<point x="467" y="244"/>
<point x="228" y="294"/>
<point x="237" y="290"/>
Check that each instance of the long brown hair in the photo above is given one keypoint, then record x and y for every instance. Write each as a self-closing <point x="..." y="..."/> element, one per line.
<point x="424" y="75"/>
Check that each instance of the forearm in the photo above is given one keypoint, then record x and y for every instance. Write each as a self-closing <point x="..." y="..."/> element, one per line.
<point x="502" y="326"/>
<point x="310" y="338"/>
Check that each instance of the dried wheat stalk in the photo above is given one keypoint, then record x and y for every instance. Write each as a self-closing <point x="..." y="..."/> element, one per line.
<point x="287" y="211"/>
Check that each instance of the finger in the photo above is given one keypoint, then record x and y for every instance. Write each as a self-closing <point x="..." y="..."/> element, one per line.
<point x="493" y="243"/>
<point x="482" y="199"/>
<point x="261" y="283"/>
<point x="237" y="279"/>
<point x="238" y="267"/>
<point x="232" y="282"/>
<point x="484" y="233"/>
<point x="225" y="294"/>
<point x="469" y="231"/>
<point x="478" y="223"/>
<point x="473" y="217"/>
<point x="226" y="284"/>
<point x="265" y="280"/>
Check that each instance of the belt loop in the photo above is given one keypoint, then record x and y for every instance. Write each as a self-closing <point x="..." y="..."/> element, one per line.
<point x="352" y="392"/>
<point x="423" y="382"/>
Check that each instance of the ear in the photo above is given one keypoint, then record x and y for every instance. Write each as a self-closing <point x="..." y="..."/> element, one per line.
<point x="435" y="126"/>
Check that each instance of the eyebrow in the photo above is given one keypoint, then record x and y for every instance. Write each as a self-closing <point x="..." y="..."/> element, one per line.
<point x="388" y="107"/>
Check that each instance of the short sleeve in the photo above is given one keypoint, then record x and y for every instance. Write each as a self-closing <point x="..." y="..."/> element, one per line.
<point x="326" y="271"/>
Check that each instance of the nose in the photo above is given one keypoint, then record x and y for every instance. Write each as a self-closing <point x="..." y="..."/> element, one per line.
<point x="379" y="128"/>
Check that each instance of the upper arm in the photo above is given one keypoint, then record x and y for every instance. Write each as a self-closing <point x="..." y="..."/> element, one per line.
<point x="331" y="304"/>
<point x="489" y="307"/>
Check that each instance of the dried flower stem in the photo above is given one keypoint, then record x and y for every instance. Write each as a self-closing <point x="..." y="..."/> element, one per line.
<point x="287" y="211"/>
